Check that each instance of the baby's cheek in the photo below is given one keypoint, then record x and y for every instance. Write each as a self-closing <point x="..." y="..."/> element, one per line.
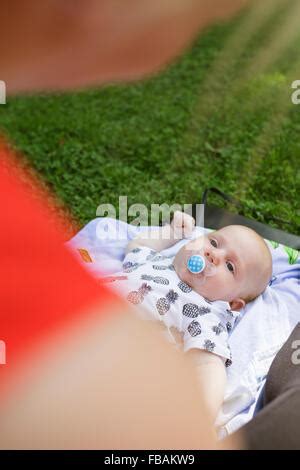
<point x="227" y="288"/>
<point x="183" y="276"/>
<point x="216" y="286"/>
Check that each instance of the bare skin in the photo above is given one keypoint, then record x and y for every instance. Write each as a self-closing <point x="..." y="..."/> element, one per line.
<point x="90" y="381"/>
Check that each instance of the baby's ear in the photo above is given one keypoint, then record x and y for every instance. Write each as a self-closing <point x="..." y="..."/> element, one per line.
<point x="237" y="304"/>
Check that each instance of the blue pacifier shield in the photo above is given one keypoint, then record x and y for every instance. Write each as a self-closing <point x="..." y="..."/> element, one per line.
<point x="196" y="264"/>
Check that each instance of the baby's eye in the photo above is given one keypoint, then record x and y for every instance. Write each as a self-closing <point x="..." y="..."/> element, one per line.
<point x="214" y="242"/>
<point x="230" y="266"/>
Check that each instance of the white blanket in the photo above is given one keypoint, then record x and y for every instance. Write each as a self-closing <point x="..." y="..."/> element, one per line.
<point x="262" y="328"/>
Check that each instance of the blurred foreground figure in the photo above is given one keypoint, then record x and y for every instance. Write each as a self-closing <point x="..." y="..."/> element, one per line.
<point x="57" y="44"/>
<point x="81" y="370"/>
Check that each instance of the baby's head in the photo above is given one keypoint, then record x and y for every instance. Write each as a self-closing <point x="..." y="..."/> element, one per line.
<point x="242" y="260"/>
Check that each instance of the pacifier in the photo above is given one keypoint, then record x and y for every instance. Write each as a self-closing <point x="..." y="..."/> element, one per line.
<point x="197" y="264"/>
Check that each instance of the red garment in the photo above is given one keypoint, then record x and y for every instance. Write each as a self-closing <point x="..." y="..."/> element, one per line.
<point x="42" y="286"/>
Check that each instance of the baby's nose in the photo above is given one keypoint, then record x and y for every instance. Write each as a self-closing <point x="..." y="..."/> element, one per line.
<point x="212" y="256"/>
<point x="209" y="255"/>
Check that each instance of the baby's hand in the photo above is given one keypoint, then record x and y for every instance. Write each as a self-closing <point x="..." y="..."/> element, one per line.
<point x="183" y="225"/>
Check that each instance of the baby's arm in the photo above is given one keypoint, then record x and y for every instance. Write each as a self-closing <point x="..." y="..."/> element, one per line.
<point x="164" y="237"/>
<point x="211" y="375"/>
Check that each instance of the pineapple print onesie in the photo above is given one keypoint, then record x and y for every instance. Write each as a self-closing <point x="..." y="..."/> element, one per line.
<point x="149" y="279"/>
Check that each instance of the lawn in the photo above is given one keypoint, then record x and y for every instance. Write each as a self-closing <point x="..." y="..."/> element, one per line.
<point x="221" y="116"/>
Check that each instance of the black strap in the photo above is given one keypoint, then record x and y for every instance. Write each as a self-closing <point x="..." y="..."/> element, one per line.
<point x="217" y="191"/>
<point x="217" y="218"/>
<point x="239" y="205"/>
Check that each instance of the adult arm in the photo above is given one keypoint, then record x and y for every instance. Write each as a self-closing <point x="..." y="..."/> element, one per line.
<point x="211" y="375"/>
<point x="57" y="44"/>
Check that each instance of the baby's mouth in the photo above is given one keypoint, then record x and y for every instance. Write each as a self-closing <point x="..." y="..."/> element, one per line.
<point x="209" y="269"/>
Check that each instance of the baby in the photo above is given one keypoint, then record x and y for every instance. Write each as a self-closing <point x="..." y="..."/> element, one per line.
<point x="198" y="308"/>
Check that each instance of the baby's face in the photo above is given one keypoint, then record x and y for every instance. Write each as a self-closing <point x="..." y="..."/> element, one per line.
<point x="236" y="253"/>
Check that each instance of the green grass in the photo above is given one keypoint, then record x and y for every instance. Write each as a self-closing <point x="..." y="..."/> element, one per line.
<point x="159" y="141"/>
